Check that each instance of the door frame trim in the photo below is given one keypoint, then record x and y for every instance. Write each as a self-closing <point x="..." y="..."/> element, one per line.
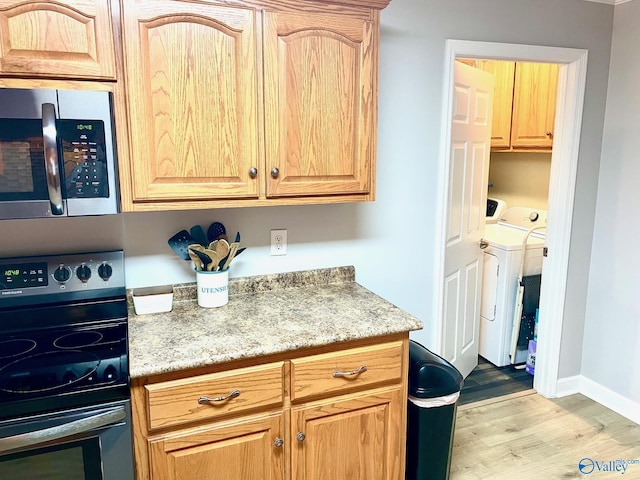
<point x="572" y="79"/>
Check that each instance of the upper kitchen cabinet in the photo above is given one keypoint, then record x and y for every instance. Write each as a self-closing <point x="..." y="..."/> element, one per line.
<point x="192" y="79"/>
<point x="250" y="102"/>
<point x="524" y="104"/>
<point x="319" y="104"/>
<point x="534" y="105"/>
<point x="67" y="39"/>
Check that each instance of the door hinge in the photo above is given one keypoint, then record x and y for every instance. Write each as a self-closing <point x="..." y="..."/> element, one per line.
<point x="545" y="251"/>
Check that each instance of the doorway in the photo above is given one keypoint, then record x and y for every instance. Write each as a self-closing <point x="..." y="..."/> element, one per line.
<point x="570" y="99"/>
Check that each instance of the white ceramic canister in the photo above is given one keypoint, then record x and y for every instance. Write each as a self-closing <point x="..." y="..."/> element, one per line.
<point x="213" y="288"/>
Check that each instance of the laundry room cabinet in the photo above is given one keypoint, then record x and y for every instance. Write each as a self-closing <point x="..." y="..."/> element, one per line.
<point x="249" y="103"/>
<point x="524" y="104"/>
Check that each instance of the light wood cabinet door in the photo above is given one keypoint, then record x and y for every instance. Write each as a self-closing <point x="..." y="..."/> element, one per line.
<point x="319" y="96"/>
<point x="503" y="75"/>
<point x="68" y="39"/>
<point x="356" y="438"/>
<point x="243" y="450"/>
<point x="191" y="71"/>
<point x="534" y="105"/>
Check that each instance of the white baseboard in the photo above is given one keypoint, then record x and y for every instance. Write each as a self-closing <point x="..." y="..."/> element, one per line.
<point x="610" y="399"/>
<point x="568" y="386"/>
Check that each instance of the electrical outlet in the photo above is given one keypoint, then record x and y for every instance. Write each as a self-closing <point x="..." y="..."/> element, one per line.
<point x="278" y="242"/>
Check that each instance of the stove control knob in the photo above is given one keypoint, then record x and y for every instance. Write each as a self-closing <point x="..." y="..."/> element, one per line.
<point x="83" y="273"/>
<point x="110" y="373"/>
<point x="62" y="274"/>
<point x="105" y="271"/>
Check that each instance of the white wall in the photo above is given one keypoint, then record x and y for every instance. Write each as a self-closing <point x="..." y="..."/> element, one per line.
<point x="391" y="241"/>
<point x="611" y="354"/>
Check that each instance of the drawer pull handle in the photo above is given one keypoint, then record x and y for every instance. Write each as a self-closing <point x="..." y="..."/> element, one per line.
<point x="231" y="394"/>
<point x="360" y="370"/>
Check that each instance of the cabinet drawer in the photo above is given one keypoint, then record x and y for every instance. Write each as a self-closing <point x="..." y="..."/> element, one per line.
<point x="348" y="370"/>
<point x="178" y="401"/>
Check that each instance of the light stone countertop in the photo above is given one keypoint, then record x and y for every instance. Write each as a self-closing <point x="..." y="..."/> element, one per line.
<point x="266" y="314"/>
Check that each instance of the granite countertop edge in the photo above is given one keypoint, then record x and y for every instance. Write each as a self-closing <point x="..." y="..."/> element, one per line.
<point x="266" y="314"/>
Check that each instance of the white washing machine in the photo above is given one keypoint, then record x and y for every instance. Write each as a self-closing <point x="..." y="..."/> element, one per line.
<point x="495" y="209"/>
<point x="502" y="259"/>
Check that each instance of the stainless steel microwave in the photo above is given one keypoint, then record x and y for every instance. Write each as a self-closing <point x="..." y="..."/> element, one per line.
<point x="57" y="153"/>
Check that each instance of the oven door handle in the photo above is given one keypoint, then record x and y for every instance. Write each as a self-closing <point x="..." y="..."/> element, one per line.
<point x="51" y="162"/>
<point x="65" y="430"/>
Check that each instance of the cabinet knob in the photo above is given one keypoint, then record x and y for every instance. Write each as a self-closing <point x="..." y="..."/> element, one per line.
<point x="548" y="134"/>
<point x="300" y="437"/>
<point x="275" y="172"/>
<point x="278" y="442"/>
<point x="253" y="172"/>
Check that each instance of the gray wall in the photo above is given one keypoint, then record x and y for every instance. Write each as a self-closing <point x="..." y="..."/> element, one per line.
<point x="390" y="242"/>
<point x="611" y="354"/>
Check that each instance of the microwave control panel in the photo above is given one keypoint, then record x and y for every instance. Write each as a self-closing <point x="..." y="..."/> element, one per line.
<point x="84" y="157"/>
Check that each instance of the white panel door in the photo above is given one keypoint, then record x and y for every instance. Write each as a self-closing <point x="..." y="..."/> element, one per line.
<point x="466" y="208"/>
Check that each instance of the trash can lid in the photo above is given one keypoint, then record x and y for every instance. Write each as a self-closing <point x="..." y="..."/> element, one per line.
<point x="430" y="375"/>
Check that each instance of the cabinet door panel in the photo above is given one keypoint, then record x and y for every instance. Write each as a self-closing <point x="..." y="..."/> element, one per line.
<point x="503" y="74"/>
<point x="356" y="438"/>
<point x="534" y="105"/>
<point x="319" y="104"/>
<point x="191" y="72"/>
<point x="73" y="39"/>
<point x="240" y="451"/>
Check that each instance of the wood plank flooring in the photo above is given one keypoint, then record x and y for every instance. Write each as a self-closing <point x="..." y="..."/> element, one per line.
<point x="531" y="437"/>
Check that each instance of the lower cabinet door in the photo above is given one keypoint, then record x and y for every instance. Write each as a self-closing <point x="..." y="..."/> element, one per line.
<point x="357" y="437"/>
<point x="249" y="449"/>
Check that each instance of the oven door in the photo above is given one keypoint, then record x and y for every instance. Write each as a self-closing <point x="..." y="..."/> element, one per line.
<point x="92" y="443"/>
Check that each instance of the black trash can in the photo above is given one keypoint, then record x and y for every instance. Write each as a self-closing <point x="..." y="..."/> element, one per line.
<point x="434" y="388"/>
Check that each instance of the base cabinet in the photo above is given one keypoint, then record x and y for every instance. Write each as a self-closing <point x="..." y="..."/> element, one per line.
<point x="354" y="428"/>
<point x="357" y="438"/>
<point x="238" y="451"/>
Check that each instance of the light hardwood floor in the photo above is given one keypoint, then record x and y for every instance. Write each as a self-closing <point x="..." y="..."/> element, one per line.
<point x="531" y="437"/>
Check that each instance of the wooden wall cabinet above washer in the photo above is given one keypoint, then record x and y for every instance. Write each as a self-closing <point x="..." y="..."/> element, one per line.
<point x="524" y="104"/>
<point x="249" y="103"/>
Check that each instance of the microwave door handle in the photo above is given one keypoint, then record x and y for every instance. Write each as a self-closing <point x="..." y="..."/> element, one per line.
<point x="63" y="431"/>
<point x="51" y="163"/>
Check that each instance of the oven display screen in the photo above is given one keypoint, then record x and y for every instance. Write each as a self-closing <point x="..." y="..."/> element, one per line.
<point x="23" y="275"/>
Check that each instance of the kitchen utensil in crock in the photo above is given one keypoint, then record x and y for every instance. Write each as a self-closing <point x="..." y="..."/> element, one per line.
<point x="199" y="235"/>
<point x="222" y="248"/>
<point x="180" y="242"/>
<point x="215" y="230"/>
<point x="232" y="253"/>
<point x="214" y="260"/>
<point x="204" y="258"/>
<point x="197" y="263"/>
